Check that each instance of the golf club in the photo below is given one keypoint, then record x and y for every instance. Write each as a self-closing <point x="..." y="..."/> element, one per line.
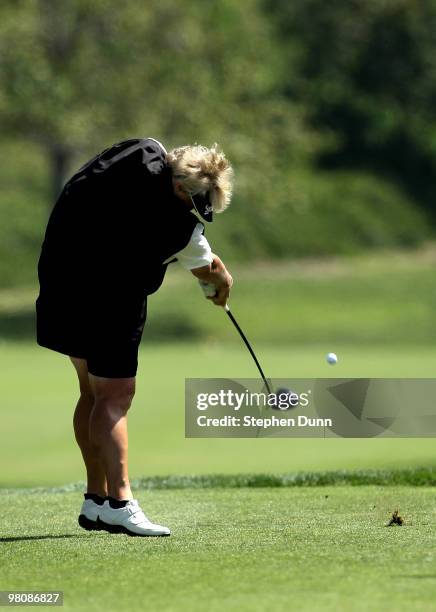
<point x="209" y="290"/>
<point x="247" y="344"/>
<point x="280" y="392"/>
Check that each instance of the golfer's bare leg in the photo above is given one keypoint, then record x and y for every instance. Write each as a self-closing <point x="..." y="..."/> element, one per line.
<point x="108" y="429"/>
<point x="96" y="477"/>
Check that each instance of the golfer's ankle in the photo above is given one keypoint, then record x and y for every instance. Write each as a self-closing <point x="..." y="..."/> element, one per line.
<point x="120" y="492"/>
<point x="95" y="483"/>
<point x="97" y="491"/>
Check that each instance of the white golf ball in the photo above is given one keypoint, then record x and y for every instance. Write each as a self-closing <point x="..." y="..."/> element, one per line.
<point x="332" y="358"/>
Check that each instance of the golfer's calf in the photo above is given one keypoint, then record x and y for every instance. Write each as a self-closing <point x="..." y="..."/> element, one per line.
<point x="108" y="429"/>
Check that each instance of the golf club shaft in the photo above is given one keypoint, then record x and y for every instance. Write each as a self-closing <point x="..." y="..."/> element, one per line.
<point x="247" y="344"/>
<point x="209" y="290"/>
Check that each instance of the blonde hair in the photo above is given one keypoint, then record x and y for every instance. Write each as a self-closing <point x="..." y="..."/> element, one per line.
<point x="202" y="170"/>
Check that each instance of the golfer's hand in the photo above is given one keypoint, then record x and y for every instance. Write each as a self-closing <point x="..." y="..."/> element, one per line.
<point x="217" y="275"/>
<point x="222" y="291"/>
<point x="222" y="281"/>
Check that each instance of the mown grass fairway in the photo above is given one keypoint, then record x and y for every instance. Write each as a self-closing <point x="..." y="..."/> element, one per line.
<point x="39" y="392"/>
<point x="303" y="548"/>
<point x="252" y="548"/>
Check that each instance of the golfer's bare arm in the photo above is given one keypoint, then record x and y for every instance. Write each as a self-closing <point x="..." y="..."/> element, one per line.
<point x="216" y="274"/>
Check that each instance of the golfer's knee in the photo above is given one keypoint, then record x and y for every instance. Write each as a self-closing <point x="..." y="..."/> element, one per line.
<point x="113" y="390"/>
<point x="115" y="398"/>
<point x="112" y="401"/>
<point x="112" y="406"/>
<point x="107" y="412"/>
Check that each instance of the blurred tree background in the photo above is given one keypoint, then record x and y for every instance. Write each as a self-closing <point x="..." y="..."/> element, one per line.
<point x="325" y="109"/>
<point x="366" y="73"/>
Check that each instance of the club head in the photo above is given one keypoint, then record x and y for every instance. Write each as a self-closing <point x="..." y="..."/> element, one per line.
<point x="285" y="399"/>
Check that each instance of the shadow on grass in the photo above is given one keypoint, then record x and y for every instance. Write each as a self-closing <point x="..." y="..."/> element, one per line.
<point x="18" y="325"/>
<point x="22" y="326"/>
<point x="43" y="537"/>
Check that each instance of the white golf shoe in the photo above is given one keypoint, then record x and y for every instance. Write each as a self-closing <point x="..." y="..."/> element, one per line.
<point x="130" y="520"/>
<point x="88" y="518"/>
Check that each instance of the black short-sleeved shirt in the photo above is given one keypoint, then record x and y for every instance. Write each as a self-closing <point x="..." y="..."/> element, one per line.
<point x="114" y="224"/>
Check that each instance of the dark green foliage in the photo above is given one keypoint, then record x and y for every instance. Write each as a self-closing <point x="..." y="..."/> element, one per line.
<point x="366" y="72"/>
<point x="286" y="88"/>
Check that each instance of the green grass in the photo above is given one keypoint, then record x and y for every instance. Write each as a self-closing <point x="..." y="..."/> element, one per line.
<point x="382" y="299"/>
<point x="248" y="549"/>
<point x="257" y="523"/>
<point x="417" y="477"/>
<point x="39" y="391"/>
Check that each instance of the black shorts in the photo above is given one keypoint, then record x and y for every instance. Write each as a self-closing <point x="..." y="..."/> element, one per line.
<point x="107" y="337"/>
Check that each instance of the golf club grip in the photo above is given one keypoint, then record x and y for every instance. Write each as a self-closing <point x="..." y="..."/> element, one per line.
<point x="208" y="289"/>
<point x="247" y="344"/>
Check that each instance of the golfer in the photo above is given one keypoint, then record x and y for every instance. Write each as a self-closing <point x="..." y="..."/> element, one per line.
<point x="119" y="221"/>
